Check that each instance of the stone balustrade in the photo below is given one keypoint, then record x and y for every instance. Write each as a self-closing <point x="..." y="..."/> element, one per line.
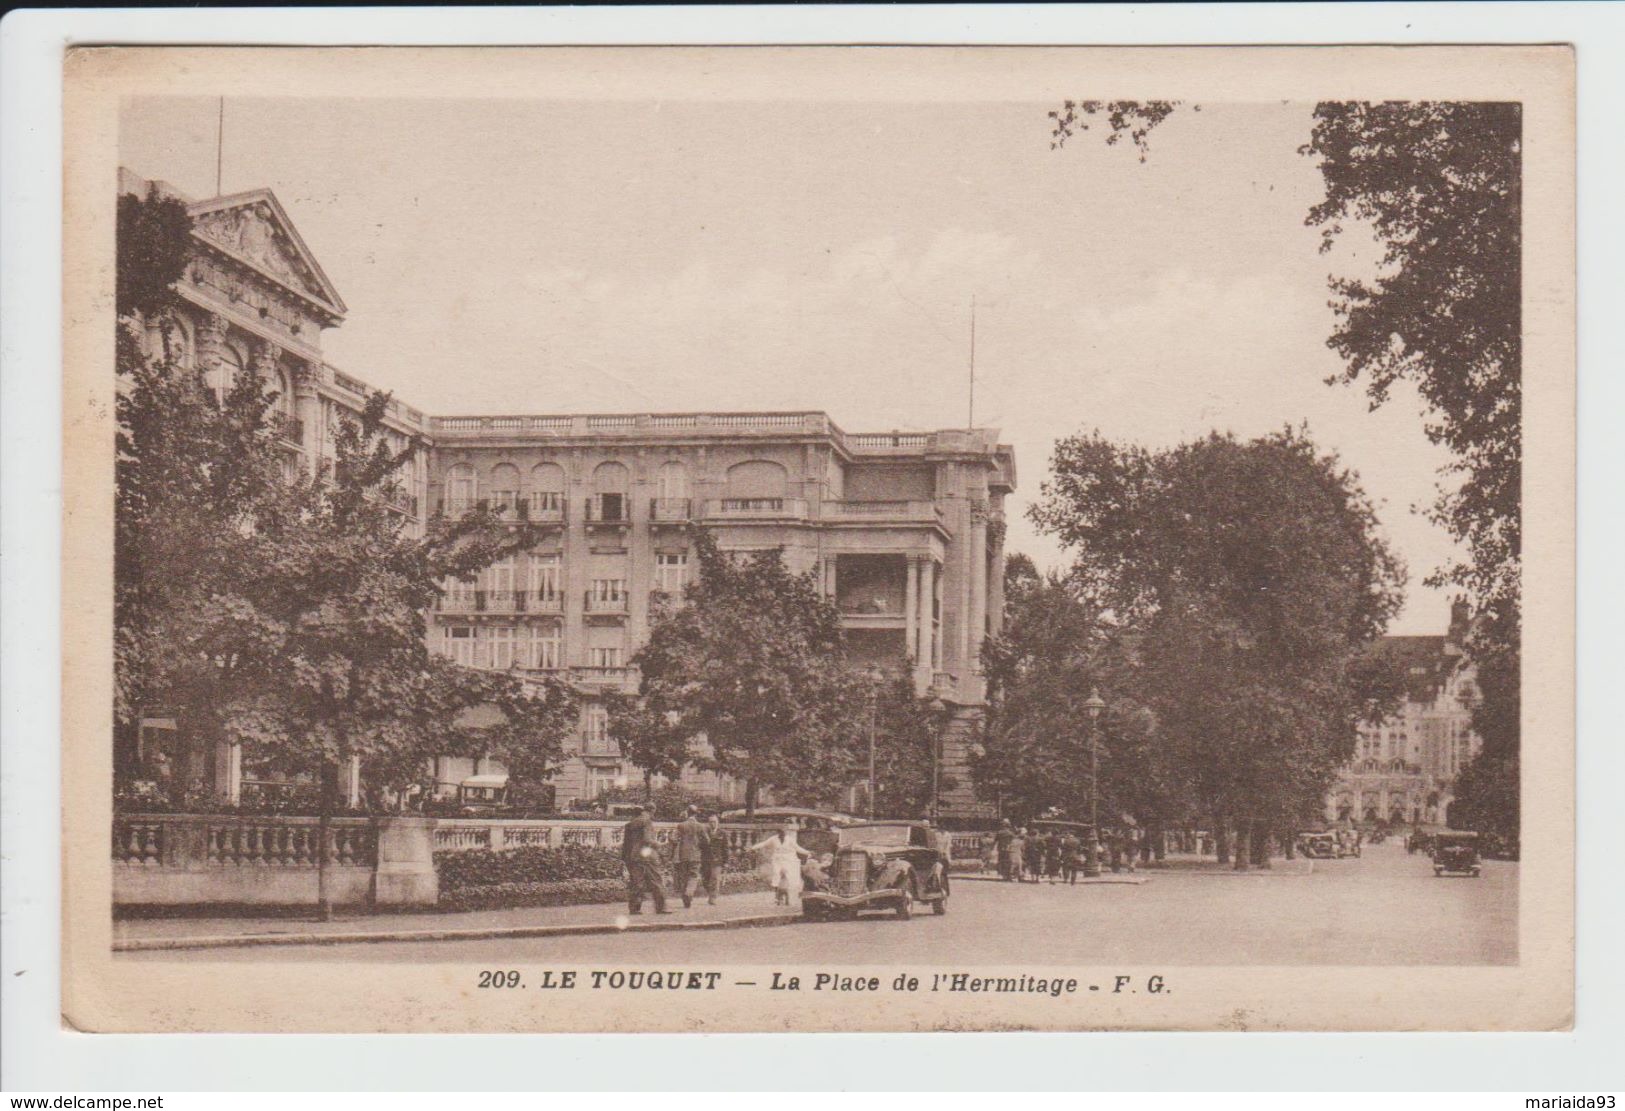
<point x="208" y="859"/>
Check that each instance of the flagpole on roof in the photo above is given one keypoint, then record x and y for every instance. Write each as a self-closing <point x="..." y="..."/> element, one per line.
<point x="219" y="147"/>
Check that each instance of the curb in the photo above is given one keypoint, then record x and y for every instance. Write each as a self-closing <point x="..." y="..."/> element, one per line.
<point x="243" y="941"/>
<point x="1125" y="880"/>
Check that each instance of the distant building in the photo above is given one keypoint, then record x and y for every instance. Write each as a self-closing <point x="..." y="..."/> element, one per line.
<point x="1404" y="769"/>
<point x="904" y="529"/>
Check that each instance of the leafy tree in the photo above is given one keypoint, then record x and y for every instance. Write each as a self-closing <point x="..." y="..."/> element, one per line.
<point x="907" y="736"/>
<point x="1254" y="580"/>
<point x="650" y="729"/>
<point x="284" y="614"/>
<point x="1057" y="647"/>
<point x="1439" y="185"/>
<point x="754" y="660"/>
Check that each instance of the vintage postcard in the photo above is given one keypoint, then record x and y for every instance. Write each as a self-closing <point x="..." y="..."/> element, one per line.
<point x="819" y="539"/>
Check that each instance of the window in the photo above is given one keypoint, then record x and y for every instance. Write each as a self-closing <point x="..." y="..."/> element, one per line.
<point x="609" y="485"/>
<point x="670" y="571"/>
<point x="542" y="649"/>
<point x="673" y="481"/>
<point x="461" y="489"/>
<point x="606" y="657"/>
<point x="595" y="732"/>
<point x="500" y="584"/>
<point x="224" y="374"/>
<point x="501" y="656"/>
<point x="460" y="644"/>
<point x="600" y="780"/>
<point x="459" y="596"/>
<point x="547" y="491"/>
<point x="609" y="590"/>
<point x="544" y="575"/>
<point x="504" y="487"/>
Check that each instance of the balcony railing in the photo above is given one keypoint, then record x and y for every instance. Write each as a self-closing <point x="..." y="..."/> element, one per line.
<point x="670" y="510"/>
<point x="756" y="509"/>
<point x="927" y="512"/>
<point x="593" y="603"/>
<point x="607" y="511"/>
<point x="289" y="429"/>
<point x="534" y="509"/>
<point x="604" y="676"/>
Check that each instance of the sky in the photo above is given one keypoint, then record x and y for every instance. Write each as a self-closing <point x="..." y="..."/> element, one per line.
<point x="558" y="256"/>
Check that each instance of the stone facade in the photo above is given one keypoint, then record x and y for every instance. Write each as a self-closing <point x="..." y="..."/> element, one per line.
<point x="1404" y="769"/>
<point x="904" y="529"/>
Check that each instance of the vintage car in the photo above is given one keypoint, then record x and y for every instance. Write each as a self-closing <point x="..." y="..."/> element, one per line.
<point x="880" y="866"/>
<point x="1455" y="853"/>
<point x="815" y="829"/>
<point x="1318" y="846"/>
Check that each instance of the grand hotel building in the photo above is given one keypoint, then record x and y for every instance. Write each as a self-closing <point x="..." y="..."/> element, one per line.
<point x="904" y="530"/>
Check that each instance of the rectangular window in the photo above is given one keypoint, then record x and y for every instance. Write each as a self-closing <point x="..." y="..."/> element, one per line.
<point x="499" y="580"/>
<point x="611" y="507"/>
<point x="501" y="637"/>
<point x="543" y="649"/>
<point x="545" y="573"/>
<point x="460" y="644"/>
<point x="609" y="590"/>
<point x="459" y="597"/>
<point x="600" y="780"/>
<point x="595" y="732"/>
<point x="670" y="571"/>
<point x="606" y="657"/>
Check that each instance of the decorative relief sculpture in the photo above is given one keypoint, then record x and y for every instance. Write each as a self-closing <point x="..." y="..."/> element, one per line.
<point x="249" y="232"/>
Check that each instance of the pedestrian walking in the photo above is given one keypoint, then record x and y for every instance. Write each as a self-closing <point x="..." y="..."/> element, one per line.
<point x="782" y="864"/>
<point x="713" y="857"/>
<point x="1052" y="856"/>
<point x="1002" y="841"/>
<point x="690" y="852"/>
<point x="1034" y="862"/>
<point x="1018" y="853"/>
<point x="1070" y="848"/>
<point x="642" y="859"/>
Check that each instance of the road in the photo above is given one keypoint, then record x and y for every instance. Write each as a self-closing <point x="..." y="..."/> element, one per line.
<point x="1386" y="907"/>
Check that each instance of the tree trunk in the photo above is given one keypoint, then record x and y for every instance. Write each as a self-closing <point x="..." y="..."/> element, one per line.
<point x="1221" y="841"/>
<point x="750" y="798"/>
<point x="1289" y="847"/>
<point x="1261" y="845"/>
<point x="1159" y="846"/>
<point x="328" y="777"/>
<point x="1244" y="845"/>
<point x="649" y="787"/>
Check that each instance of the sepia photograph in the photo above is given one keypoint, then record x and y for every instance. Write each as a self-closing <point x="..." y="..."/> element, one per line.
<point x="840" y="538"/>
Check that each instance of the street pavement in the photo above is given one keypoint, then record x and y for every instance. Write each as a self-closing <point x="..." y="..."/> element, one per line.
<point x="1384" y="908"/>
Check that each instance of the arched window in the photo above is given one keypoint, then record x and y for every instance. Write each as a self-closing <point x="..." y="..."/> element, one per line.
<point x="462" y="489"/>
<point x="505" y="488"/>
<point x="672" y="481"/>
<point x="756" y="485"/>
<point x="609" y="485"/>
<point x="224" y="375"/>
<point x="169" y="339"/>
<point x="547" y="492"/>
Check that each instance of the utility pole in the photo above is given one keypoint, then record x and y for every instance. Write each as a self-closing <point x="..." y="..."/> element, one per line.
<point x="970" y="414"/>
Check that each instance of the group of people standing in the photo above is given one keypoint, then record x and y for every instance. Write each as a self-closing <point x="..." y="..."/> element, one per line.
<point x="1028" y="855"/>
<point x="700" y="853"/>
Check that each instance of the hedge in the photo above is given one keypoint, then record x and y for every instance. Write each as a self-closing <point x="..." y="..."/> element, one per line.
<point x="527" y="864"/>
<point x="562" y="893"/>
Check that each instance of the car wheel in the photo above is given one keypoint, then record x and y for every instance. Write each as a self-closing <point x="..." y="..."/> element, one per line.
<point x="940" y="906"/>
<point x="905" y="903"/>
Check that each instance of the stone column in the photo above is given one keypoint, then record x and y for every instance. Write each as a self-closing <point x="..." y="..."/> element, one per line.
<point x="976" y="619"/>
<point x="228" y="773"/>
<point x="307" y="405"/>
<point x="352" y="783"/>
<point x="911" y="611"/>
<point x="930" y="642"/>
<point x="211" y="345"/>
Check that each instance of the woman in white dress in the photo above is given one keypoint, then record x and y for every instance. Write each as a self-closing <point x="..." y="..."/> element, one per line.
<point x="781" y="863"/>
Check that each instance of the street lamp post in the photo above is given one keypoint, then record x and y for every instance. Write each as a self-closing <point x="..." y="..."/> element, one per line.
<point x="936" y="706"/>
<point x="1091" y="864"/>
<point x="874" y="703"/>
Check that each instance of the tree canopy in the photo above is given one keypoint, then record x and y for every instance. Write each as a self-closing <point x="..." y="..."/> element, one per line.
<point x="1245" y="582"/>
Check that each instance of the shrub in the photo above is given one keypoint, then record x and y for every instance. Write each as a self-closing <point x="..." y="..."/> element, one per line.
<point x="528" y="864"/>
<point x="561" y="893"/>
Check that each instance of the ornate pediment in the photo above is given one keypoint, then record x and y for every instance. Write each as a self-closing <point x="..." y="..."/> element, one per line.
<point x="252" y="228"/>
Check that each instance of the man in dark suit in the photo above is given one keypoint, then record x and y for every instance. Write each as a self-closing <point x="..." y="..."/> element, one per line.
<point x="642" y="858"/>
<point x="691" y="838"/>
<point x="713" y="855"/>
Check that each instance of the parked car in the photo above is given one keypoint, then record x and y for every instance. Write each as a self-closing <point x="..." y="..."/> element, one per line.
<point x="1318" y="846"/>
<point x="1419" y="841"/>
<point x="1495" y="846"/>
<point x="815" y="829"/>
<point x="881" y="866"/>
<point x="1455" y="853"/>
